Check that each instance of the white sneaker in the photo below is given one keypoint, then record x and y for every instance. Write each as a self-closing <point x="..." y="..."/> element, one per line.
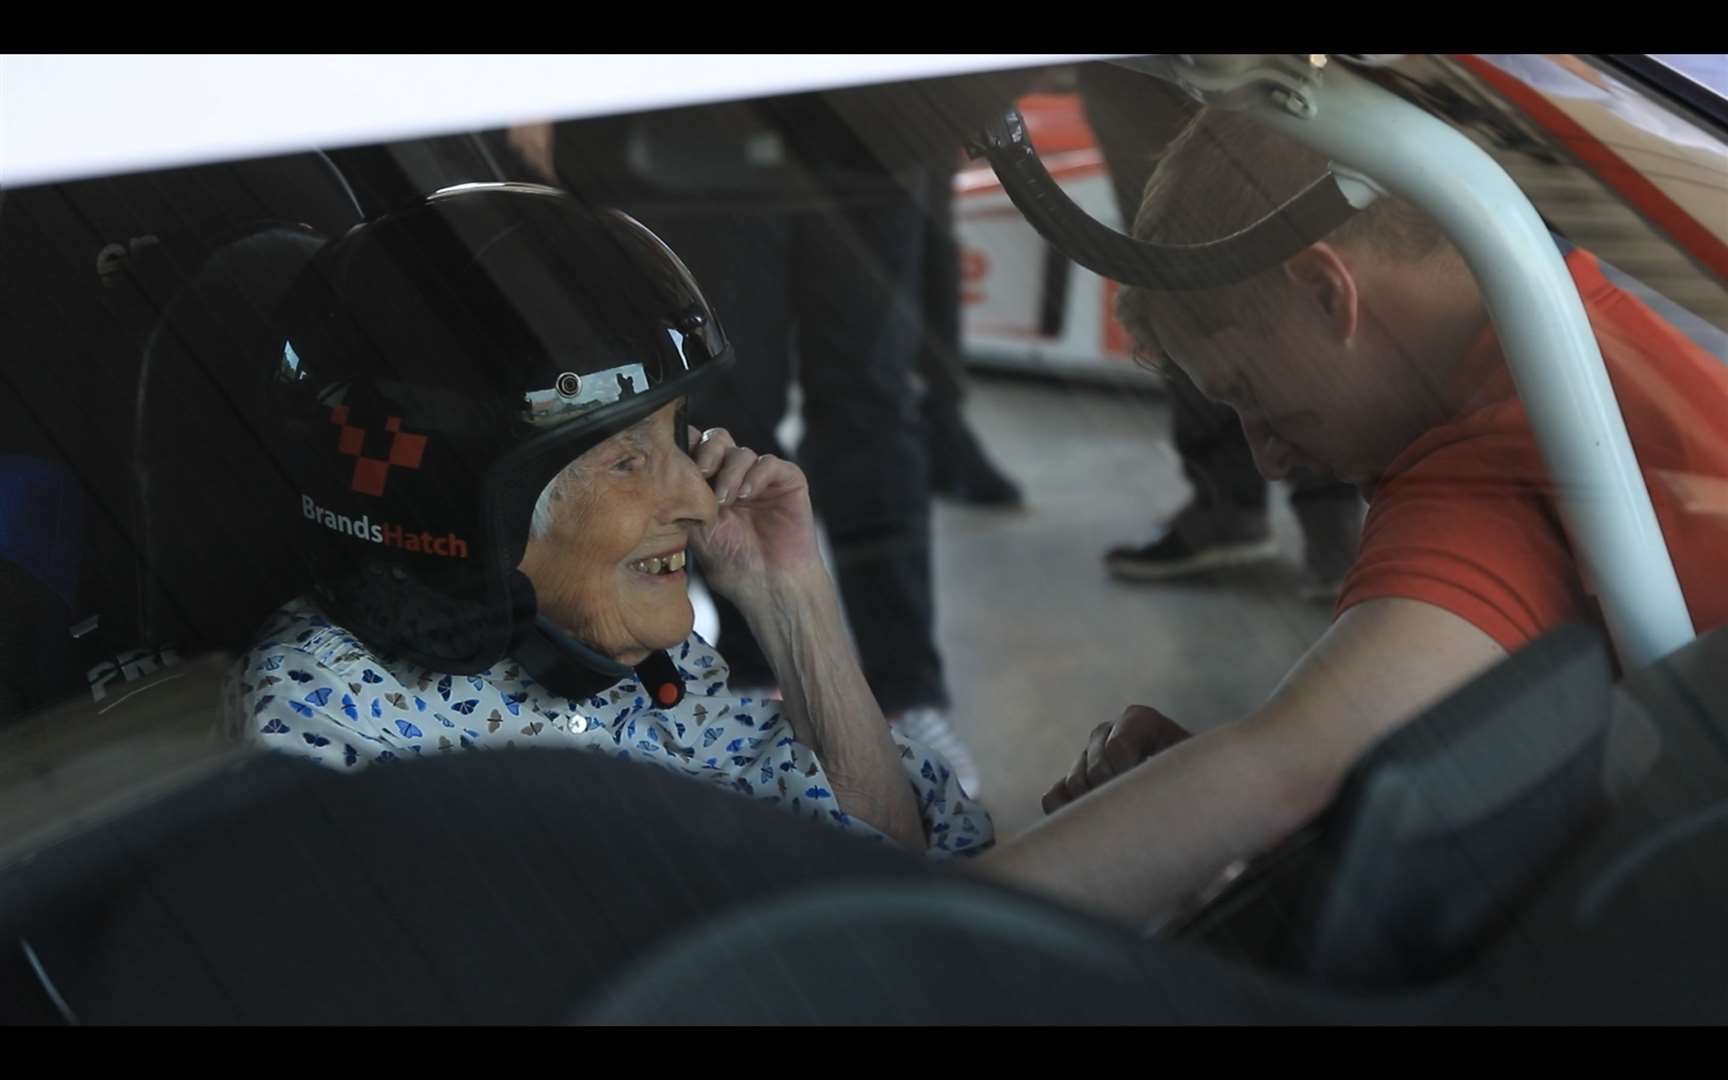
<point x="931" y="727"/>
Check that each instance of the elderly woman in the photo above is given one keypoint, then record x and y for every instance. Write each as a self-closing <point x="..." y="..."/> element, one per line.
<point x="481" y="403"/>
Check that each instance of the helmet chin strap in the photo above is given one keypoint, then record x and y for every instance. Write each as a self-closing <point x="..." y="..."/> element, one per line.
<point x="572" y="669"/>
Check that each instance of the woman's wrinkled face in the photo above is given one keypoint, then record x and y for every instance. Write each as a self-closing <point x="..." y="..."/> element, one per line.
<point x="610" y="567"/>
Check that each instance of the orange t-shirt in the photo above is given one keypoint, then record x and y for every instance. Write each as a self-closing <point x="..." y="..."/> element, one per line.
<point x="1465" y="518"/>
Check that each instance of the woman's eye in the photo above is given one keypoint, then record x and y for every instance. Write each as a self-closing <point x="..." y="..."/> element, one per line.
<point x="627" y="465"/>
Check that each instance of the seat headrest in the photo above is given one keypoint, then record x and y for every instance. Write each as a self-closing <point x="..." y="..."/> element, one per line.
<point x="216" y="508"/>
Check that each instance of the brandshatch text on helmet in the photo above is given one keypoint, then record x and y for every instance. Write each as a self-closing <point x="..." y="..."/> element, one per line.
<point x="449" y="545"/>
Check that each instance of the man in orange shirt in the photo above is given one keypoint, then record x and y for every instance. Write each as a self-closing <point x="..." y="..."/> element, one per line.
<point x="1368" y="356"/>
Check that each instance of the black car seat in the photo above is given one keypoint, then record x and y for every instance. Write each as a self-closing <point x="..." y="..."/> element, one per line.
<point x="1445" y="829"/>
<point x="272" y="890"/>
<point x="1644" y="898"/>
<point x="87" y="269"/>
<point x="217" y="514"/>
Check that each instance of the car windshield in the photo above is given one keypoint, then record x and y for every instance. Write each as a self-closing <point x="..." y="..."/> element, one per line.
<point x="288" y="438"/>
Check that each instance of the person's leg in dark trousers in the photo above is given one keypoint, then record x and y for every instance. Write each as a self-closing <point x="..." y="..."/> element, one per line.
<point x="841" y="281"/>
<point x="847" y="279"/>
<point x="741" y="257"/>
<point x="958" y="465"/>
<point x="855" y="274"/>
<point x="939" y="359"/>
<point x="1134" y="117"/>
<point x="1330" y="514"/>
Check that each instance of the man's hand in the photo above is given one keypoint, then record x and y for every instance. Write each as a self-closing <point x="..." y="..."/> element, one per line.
<point x="765" y="533"/>
<point x="1114" y="748"/>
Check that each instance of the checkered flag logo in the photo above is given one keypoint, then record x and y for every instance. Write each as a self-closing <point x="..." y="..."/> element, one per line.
<point x="370" y="473"/>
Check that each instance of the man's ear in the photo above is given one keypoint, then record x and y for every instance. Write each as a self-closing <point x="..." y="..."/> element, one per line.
<point x="1321" y="275"/>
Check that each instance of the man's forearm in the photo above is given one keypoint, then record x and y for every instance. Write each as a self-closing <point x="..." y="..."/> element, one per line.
<point x="830" y="706"/>
<point x="1148" y="840"/>
<point x="1141" y="845"/>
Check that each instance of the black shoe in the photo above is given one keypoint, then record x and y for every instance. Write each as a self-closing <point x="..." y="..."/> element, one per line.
<point x="1198" y="540"/>
<point x="960" y="471"/>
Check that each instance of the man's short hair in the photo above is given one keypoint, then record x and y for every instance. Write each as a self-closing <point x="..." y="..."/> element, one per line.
<point x="1225" y="171"/>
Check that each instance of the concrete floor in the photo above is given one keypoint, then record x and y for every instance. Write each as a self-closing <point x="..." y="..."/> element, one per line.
<point x="1041" y="645"/>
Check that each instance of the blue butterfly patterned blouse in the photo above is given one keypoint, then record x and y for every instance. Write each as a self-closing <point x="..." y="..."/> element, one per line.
<point x="309" y="687"/>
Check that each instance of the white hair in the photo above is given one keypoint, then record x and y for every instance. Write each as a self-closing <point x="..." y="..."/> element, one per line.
<point x="540" y="525"/>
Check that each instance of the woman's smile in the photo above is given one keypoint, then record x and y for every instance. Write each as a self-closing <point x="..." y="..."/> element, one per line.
<point x="667" y="567"/>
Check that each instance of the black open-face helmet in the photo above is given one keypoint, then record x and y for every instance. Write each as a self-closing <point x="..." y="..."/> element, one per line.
<point x="440" y="366"/>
